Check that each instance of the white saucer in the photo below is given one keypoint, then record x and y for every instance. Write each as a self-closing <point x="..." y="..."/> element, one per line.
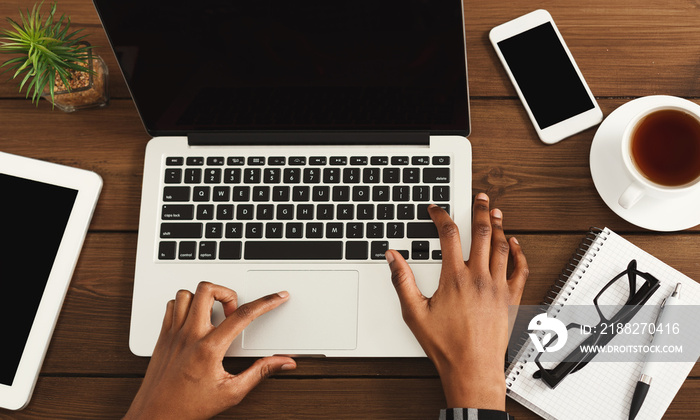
<point x="611" y="178"/>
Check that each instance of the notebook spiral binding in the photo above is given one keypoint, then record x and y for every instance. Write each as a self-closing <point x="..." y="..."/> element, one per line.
<point x="559" y="293"/>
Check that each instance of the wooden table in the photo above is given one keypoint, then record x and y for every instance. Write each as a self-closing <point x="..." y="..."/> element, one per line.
<point x="625" y="49"/>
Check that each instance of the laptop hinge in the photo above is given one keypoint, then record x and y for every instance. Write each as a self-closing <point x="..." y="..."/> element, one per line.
<point x="309" y="138"/>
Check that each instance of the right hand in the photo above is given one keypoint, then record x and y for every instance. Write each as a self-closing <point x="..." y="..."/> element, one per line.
<point x="464" y="326"/>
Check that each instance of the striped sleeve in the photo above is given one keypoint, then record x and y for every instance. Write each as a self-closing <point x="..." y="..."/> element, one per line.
<point x="473" y="414"/>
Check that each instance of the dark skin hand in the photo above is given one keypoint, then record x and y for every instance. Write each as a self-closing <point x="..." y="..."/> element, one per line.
<point x="464" y="326"/>
<point x="185" y="378"/>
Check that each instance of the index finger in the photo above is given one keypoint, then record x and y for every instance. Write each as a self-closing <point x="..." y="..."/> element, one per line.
<point x="450" y="243"/>
<point x="203" y="301"/>
<point x="235" y="323"/>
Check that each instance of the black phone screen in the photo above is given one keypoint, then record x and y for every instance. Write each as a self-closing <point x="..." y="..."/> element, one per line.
<point x="547" y="78"/>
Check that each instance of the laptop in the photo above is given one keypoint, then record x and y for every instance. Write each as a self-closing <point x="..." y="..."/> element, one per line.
<point x="293" y="144"/>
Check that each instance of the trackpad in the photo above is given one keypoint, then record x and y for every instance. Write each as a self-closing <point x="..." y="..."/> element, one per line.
<point x="321" y="312"/>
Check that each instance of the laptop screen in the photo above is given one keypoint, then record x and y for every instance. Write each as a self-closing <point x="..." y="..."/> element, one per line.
<point x="212" y="66"/>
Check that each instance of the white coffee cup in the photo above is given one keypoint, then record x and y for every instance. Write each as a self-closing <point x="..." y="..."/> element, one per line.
<point x="641" y="184"/>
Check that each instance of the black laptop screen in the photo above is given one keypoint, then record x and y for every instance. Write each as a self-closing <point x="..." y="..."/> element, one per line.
<point x="292" y="65"/>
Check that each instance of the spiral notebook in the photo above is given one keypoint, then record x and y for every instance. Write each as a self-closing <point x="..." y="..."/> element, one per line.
<point x="601" y="390"/>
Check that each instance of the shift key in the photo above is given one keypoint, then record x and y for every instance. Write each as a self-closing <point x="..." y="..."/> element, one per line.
<point x="181" y="230"/>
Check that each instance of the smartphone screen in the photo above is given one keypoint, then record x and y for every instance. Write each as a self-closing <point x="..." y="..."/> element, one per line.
<point x="547" y="78"/>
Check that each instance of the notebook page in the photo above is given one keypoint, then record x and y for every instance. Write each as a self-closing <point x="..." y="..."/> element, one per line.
<point x="604" y="390"/>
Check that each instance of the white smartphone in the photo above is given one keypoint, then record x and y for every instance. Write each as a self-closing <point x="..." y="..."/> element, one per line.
<point x="546" y="77"/>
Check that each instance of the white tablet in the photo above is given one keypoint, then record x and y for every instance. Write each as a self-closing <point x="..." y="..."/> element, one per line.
<point x="44" y="215"/>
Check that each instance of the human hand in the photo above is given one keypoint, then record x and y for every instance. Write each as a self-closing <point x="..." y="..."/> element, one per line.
<point x="185" y="378"/>
<point x="463" y="327"/>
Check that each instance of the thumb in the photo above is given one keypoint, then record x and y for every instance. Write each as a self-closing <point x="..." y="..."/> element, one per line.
<point x="404" y="282"/>
<point x="259" y="371"/>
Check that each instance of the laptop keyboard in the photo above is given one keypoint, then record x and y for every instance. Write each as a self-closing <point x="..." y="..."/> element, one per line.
<point x="232" y="208"/>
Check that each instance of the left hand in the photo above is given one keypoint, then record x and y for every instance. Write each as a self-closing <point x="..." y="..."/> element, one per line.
<point x="185" y="378"/>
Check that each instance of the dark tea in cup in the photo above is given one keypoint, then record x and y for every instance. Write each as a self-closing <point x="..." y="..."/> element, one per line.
<point x="665" y="147"/>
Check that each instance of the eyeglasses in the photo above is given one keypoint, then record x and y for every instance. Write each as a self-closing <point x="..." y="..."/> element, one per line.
<point x="616" y="303"/>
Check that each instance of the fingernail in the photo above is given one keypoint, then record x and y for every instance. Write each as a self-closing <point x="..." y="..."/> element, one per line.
<point x="430" y="206"/>
<point x="283" y="294"/>
<point x="289" y="366"/>
<point x="389" y="257"/>
<point x="496" y="213"/>
<point x="516" y="241"/>
<point x="482" y="196"/>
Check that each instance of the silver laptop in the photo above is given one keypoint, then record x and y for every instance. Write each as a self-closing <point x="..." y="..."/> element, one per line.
<point x="294" y="143"/>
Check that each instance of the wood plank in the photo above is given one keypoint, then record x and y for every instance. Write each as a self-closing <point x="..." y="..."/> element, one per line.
<point x="410" y="398"/>
<point x="91" y="337"/>
<point x="624" y="48"/>
<point x="540" y="188"/>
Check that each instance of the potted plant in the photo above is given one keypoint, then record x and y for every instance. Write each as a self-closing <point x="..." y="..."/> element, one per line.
<point x="53" y="62"/>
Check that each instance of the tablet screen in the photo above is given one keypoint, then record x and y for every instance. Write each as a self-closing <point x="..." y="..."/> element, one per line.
<point x="33" y="218"/>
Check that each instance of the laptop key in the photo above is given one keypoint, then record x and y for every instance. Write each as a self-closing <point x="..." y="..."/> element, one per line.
<point x="181" y="230"/>
<point x="235" y="161"/>
<point x="232" y="175"/>
<point x="173" y="176"/>
<point x="166" y="250"/>
<point x="391" y="175"/>
<point x="244" y="212"/>
<point x="317" y="160"/>
<point x="395" y="230"/>
<point x="193" y="176"/>
<point x="174" y="161"/>
<point x="354" y="230"/>
<point x="334" y="230"/>
<point x="205" y="212"/>
<point x="212" y="176"/>
<point x="273" y="230"/>
<point x="272" y="176"/>
<point x="375" y="230"/>
<point x="403" y="252"/>
<point x="222" y="194"/>
<point x="214" y="230"/>
<point x="187" y="250"/>
<point x="378" y="249"/>
<point x="276" y="161"/>
<point x="312" y="175"/>
<point x="421" y="230"/>
<point x="436" y="175"/>
<point x="420" y="160"/>
<point x="411" y="175"/>
<point x="177" y="212"/>
<point x="399" y="160"/>
<point x="234" y="230"/>
<point x="201" y="194"/>
<point x="441" y="193"/>
<point x="358" y="160"/>
<point x="294" y="230"/>
<point x="251" y="175"/>
<point x="292" y="175"/>
<point x="356" y="250"/>
<point x="195" y="161"/>
<point x="293" y="250"/>
<point x="230" y="250"/>
<point x="297" y="160"/>
<point x="254" y="230"/>
<point x="207" y="250"/>
<point x="215" y="161"/>
<point x="441" y="160"/>
<point x="338" y="160"/>
<point x="420" y="250"/>
<point x="256" y="160"/>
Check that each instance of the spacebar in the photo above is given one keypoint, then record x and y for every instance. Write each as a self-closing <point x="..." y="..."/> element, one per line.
<point x="293" y="250"/>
